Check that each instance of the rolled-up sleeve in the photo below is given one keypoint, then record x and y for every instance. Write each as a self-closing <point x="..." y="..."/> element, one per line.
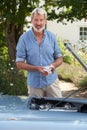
<point x="57" y="51"/>
<point x="20" y="50"/>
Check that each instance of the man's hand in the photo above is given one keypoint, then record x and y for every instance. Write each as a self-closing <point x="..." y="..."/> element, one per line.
<point x="42" y="71"/>
<point x="46" y="70"/>
<point x="52" y="68"/>
<point x="49" y="69"/>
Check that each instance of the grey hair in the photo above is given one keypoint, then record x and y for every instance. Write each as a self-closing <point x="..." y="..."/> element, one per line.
<point x="39" y="11"/>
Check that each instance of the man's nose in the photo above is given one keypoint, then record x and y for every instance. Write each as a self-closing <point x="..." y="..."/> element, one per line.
<point x="39" y="22"/>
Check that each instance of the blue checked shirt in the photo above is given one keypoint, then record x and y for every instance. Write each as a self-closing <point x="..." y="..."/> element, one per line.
<point x="44" y="54"/>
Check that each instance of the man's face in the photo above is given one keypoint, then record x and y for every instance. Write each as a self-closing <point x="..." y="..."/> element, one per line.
<point x="38" y="22"/>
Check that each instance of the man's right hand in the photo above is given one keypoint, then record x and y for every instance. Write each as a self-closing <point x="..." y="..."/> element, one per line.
<point x="42" y="70"/>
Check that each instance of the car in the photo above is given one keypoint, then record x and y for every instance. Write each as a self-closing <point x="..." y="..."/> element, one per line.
<point x="24" y="113"/>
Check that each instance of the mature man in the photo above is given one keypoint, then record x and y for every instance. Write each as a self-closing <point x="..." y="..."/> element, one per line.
<point x="39" y="48"/>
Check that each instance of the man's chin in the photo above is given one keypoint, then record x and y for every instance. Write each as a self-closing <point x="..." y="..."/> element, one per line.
<point x="38" y="30"/>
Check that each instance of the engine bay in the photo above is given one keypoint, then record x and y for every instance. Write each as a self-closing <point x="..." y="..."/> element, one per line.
<point x="58" y="104"/>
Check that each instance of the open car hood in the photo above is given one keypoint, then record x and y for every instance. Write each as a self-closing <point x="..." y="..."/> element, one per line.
<point x="22" y="113"/>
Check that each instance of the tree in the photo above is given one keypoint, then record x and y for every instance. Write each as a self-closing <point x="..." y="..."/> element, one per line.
<point x="68" y="9"/>
<point x="12" y="20"/>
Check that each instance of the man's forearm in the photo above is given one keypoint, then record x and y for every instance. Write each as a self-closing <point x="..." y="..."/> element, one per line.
<point x="25" y="66"/>
<point x="57" y="62"/>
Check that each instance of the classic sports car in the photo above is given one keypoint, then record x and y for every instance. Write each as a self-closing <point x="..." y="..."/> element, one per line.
<point x="22" y="113"/>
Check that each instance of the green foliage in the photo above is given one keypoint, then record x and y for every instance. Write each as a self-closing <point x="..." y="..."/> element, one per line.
<point x="2" y="37"/>
<point x="71" y="70"/>
<point x="12" y="81"/>
<point x="72" y="73"/>
<point x="68" y="9"/>
<point x="83" y="82"/>
<point x="15" y="11"/>
<point x="12" y="20"/>
<point x="67" y="56"/>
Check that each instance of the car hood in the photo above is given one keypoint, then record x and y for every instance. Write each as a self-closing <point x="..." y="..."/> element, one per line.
<point x="15" y="115"/>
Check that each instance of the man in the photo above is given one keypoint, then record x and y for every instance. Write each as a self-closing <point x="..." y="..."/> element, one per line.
<point x="39" y="48"/>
